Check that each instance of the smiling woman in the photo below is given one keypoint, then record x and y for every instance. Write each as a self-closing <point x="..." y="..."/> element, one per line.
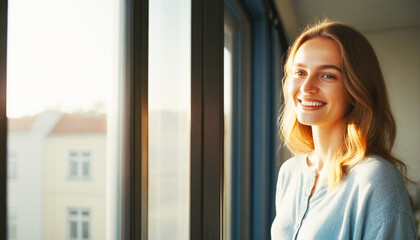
<point x="343" y="183"/>
<point x="318" y="91"/>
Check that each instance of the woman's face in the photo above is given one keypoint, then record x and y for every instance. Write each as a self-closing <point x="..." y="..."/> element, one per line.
<point x="317" y="84"/>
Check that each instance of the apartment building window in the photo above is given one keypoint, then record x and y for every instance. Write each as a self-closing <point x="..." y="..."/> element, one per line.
<point x="78" y="224"/>
<point x="12" y="224"/>
<point x="79" y="164"/>
<point x="11" y="166"/>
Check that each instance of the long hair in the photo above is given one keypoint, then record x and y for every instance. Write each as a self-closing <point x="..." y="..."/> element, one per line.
<point x="370" y="125"/>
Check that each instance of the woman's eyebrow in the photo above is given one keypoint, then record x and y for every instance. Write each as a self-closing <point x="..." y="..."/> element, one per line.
<point x="321" y="66"/>
<point x="330" y="66"/>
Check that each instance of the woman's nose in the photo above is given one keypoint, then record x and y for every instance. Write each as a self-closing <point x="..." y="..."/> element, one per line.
<point x="309" y="85"/>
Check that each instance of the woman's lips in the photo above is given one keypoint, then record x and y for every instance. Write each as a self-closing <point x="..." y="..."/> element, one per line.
<point x="311" y="104"/>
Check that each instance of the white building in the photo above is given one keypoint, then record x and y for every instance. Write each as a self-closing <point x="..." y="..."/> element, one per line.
<point x="75" y="179"/>
<point x="26" y="142"/>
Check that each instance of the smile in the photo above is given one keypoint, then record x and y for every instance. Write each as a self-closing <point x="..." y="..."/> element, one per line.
<point x="312" y="103"/>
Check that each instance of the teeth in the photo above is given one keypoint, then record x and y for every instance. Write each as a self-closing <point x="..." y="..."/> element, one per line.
<point x="308" y="103"/>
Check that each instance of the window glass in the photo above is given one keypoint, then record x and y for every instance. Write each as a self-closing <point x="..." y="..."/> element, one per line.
<point x="169" y="118"/>
<point x="11" y="165"/>
<point x="85" y="231"/>
<point x="228" y="79"/>
<point x="79" y="224"/>
<point x="64" y="69"/>
<point x="73" y="168"/>
<point x="73" y="229"/>
<point x="79" y="164"/>
<point x="85" y="169"/>
<point x="12" y="224"/>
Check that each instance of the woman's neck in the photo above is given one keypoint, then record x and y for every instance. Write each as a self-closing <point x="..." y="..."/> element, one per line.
<point x="327" y="142"/>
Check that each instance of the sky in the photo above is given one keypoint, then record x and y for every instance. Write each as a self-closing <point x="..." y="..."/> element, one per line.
<point x="64" y="55"/>
<point x="60" y="56"/>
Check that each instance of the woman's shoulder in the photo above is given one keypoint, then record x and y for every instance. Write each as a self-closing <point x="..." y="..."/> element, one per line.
<point x="382" y="193"/>
<point x="293" y="164"/>
<point x="379" y="180"/>
<point x="291" y="168"/>
<point x="377" y="171"/>
<point x="290" y="171"/>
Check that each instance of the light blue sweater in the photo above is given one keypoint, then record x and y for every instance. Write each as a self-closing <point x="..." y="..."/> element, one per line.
<point x="371" y="203"/>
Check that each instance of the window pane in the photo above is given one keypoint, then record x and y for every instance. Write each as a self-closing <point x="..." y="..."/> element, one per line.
<point x="73" y="168"/>
<point x="65" y="66"/>
<point x="12" y="223"/>
<point x="12" y="232"/>
<point x="73" y="229"/>
<point x="11" y="164"/>
<point x="169" y="118"/>
<point x="85" y="169"/>
<point x="85" y="230"/>
<point x="228" y="82"/>
<point x="11" y="169"/>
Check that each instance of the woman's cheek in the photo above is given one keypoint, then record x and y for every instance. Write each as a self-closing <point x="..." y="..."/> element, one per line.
<point x="292" y="88"/>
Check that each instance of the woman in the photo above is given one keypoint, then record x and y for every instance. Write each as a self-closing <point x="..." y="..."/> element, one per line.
<point x="343" y="182"/>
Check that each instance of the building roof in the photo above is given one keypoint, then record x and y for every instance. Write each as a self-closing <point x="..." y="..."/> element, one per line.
<point x="20" y="124"/>
<point x="80" y="123"/>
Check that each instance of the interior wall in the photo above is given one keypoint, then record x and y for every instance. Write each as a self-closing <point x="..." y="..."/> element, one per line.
<point x="398" y="51"/>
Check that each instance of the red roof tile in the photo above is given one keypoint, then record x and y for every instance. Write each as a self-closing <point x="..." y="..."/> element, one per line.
<point x="20" y="124"/>
<point x="80" y="123"/>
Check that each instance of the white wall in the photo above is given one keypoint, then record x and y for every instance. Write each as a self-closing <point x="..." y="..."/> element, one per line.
<point x="62" y="192"/>
<point x="398" y="51"/>
<point x="26" y="192"/>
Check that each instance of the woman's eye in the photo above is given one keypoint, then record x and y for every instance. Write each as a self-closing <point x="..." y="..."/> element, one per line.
<point x="328" y="76"/>
<point x="300" y="73"/>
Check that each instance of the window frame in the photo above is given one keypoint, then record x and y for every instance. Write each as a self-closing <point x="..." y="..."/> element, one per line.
<point x="207" y="76"/>
<point x="133" y="182"/>
<point x="134" y="150"/>
<point x="79" y="164"/>
<point x="3" y="120"/>
<point x="206" y="199"/>
<point x="79" y="219"/>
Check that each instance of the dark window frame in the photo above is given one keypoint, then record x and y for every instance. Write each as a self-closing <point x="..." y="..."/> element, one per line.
<point x="134" y="159"/>
<point x="3" y="120"/>
<point x="206" y="119"/>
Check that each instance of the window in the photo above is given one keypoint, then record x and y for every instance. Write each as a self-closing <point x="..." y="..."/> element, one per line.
<point x="169" y="119"/>
<point x="11" y="165"/>
<point x="228" y="75"/>
<point x="12" y="224"/>
<point x="79" y="164"/>
<point x="78" y="224"/>
<point x="171" y="158"/>
<point x="64" y="109"/>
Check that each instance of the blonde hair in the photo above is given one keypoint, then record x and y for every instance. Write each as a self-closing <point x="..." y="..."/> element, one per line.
<point x="370" y="125"/>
